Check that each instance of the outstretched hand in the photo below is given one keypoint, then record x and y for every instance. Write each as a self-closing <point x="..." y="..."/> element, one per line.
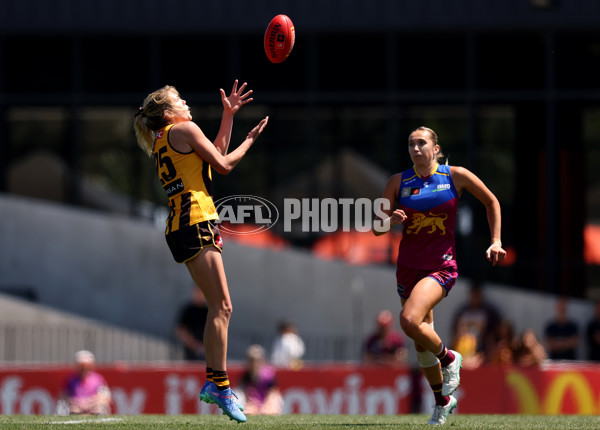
<point x="256" y="131"/>
<point x="236" y="99"/>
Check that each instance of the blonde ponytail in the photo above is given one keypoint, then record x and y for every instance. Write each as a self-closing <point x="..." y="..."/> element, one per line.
<point x="151" y="116"/>
<point x="144" y="136"/>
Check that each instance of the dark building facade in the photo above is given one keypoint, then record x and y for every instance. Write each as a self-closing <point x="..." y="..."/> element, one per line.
<point x="510" y="86"/>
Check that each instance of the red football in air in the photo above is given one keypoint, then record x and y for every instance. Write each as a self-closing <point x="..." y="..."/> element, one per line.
<point x="279" y="38"/>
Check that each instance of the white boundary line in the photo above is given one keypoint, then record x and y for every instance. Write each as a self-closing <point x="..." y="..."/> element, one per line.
<point x="100" y="420"/>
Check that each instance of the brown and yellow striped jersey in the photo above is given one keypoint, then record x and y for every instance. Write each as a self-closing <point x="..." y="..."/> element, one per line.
<point x="186" y="179"/>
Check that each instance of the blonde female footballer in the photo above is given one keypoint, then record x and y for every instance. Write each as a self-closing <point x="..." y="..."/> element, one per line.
<point x="185" y="160"/>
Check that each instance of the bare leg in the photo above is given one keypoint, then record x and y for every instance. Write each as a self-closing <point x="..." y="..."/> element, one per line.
<point x="208" y="273"/>
<point x="418" y="309"/>
<point x="415" y="320"/>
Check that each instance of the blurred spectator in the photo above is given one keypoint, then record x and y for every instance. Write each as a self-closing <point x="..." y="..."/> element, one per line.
<point x="562" y="334"/>
<point x="593" y="334"/>
<point x="501" y="350"/>
<point x="260" y="392"/>
<point x="476" y="320"/>
<point x="529" y="352"/>
<point x="190" y="326"/>
<point x="385" y="345"/>
<point x="288" y="347"/>
<point x="466" y="344"/>
<point x="85" y="391"/>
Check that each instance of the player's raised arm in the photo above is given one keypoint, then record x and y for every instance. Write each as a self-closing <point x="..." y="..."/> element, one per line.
<point x="231" y="105"/>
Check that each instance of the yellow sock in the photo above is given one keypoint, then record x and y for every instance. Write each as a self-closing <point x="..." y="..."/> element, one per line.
<point x="220" y="379"/>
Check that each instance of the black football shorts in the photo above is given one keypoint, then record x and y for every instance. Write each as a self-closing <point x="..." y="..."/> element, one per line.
<point x="188" y="242"/>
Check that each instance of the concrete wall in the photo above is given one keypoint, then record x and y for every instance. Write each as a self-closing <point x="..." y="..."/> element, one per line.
<point x="107" y="268"/>
<point x="119" y="271"/>
<point x="36" y="333"/>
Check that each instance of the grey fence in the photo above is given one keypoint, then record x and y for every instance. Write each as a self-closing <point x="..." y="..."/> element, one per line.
<point x="25" y="343"/>
<point x="58" y="344"/>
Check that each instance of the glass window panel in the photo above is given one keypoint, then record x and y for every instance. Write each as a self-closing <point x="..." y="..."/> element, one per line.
<point x="114" y="170"/>
<point x="112" y="63"/>
<point x="352" y="62"/>
<point x="495" y="151"/>
<point x="578" y="60"/>
<point x="431" y="61"/>
<point x="519" y="56"/>
<point x="37" y="64"/>
<point x="36" y="128"/>
<point x="195" y="63"/>
<point x="37" y="140"/>
<point x="591" y="129"/>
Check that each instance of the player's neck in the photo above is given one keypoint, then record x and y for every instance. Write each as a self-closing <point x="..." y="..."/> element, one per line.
<point x="427" y="170"/>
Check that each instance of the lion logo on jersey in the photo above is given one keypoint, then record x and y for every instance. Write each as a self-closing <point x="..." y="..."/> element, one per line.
<point x="434" y="221"/>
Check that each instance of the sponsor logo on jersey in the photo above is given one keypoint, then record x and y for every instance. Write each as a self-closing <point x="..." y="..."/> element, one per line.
<point x="442" y="187"/>
<point x="407" y="192"/>
<point x="173" y="188"/>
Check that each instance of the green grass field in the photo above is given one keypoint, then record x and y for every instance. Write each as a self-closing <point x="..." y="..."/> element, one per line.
<point x="297" y="422"/>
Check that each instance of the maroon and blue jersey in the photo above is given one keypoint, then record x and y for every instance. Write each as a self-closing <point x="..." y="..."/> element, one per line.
<point x="430" y="204"/>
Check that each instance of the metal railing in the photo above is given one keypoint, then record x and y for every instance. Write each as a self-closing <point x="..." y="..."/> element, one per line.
<point x="318" y="347"/>
<point x="58" y="344"/>
<point x="31" y="343"/>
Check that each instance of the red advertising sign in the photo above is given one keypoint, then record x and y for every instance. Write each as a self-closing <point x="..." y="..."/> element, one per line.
<point x="555" y="389"/>
<point x="173" y="389"/>
<point x="327" y="389"/>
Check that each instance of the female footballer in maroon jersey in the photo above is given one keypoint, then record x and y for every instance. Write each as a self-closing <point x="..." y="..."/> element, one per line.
<point x="424" y="199"/>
